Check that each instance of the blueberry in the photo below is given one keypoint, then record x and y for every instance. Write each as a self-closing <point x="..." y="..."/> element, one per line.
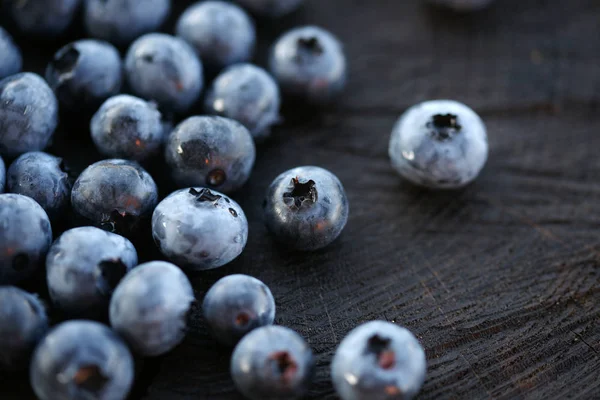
<point x="165" y="69"/>
<point x="25" y="237"/>
<point x="462" y="5"/>
<point x="127" y="127"/>
<point x="85" y="73"/>
<point x="271" y="8"/>
<point x="247" y="94"/>
<point x="2" y="175"/>
<point x="150" y="307"/>
<point x="44" y="18"/>
<point x="122" y="21"/>
<point x="28" y="114"/>
<point x="377" y="361"/>
<point x="440" y="144"/>
<point x="306" y="208"/>
<point x="11" y="60"/>
<point x="309" y="63"/>
<point x="215" y="152"/>
<point x="81" y="360"/>
<point x="84" y="266"/>
<point x="221" y="33"/>
<point x="236" y="305"/>
<point x="272" y="363"/>
<point x="116" y="195"/>
<point x="199" y="229"/>
<point x="42" y="177"/>
<point x="23" y="322"/>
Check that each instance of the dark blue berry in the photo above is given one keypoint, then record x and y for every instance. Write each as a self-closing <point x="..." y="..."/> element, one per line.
<point x="116" y="195"/>
<point x="23" y="322"/>
<point x="84" y="266"/>
<point x="44" y="18"/>
<point x="11" y="60"/>
<point x="214" y="152"/>
<point x="25" y="237"/>
<point x="379" y="361"/>
<point x="199" y="229"/>
<point x="122" y="21"/>
<point x="81" y="360"/>
<point x="150" y="307"/>
<point x="272" y="363"/>
<point x="236" y="305"/>
<point x="28" y="114"/>
<point x="306" y="208"/>
<point x="42" y="177"/>
<point x="127" y="127"/>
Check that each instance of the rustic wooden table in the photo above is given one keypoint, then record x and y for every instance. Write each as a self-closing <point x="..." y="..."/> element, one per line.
<point x="499" y="281"/>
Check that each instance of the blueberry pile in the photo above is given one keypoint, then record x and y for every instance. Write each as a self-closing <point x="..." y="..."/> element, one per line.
<point x="141" y="90"/>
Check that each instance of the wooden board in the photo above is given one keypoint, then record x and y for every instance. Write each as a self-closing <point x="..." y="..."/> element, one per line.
<point x="500" y="281"/>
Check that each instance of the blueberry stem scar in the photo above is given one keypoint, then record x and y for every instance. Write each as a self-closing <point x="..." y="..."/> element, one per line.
<point x="204" y="195"/>
<point x="380" y="347"/>
<point x="286" y="365"/>
<point x="90" y="378"/>
<point x="301" y="193"/>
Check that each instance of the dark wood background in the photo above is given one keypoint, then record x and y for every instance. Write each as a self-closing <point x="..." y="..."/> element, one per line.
<point x="499" y="281"/>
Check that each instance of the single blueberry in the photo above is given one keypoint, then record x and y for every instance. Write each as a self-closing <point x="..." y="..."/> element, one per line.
<point x="28" y="114"/>
<point x="84" y="266"/>
<point x="247" y="94"/>
<point x="215" y="152"/>
<point x="47" y="18"/>
<point x="42" y="177"/>
<point x="272" y="363"/>
<point x="127" y="127"/>
<point x="271" y="8"/>
<point x="85" y="73"/>
<point x="23" y="322"/>
<point x="165" y="69"/>
<point x="462" y="5"/>
<point x="2" y="175"/>
<point x="306" y="208"/>
<point x="25" y="237"/>
<point x="440" y="144"/>
<point x="11" y="60"/>
<point x="221" y="33"/>
<point x="199" y="229"/>
<point x="309" y="63"/>
<point x="116" y="195"/>
<point x="122" y="21"/>
<point x="150" y="307"/>
<point x="236" y="305"/>
<point x="81" y="359"/>
<point x="379" y="361"/>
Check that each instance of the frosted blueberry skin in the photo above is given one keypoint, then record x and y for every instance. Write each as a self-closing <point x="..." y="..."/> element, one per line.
<point x="462" y="5"/>
<point x="247" y="94"/>
<point x="85" y="73"/>
<point x="2" y="175"/>
<point x="23" y="322"/>
<point x="379" y="361"/>
<point x="221" y="33"/>
<point x="164" y="69"/>
<point x="213" y="152"/>
<point x="44" y="178"/>
<point x="11" y="60"/>
<point x="235" y="305"/>
<point x="81" y="359"/>
<point x="272" y="363"/>
<point x="309" y="64"/>
<point x="439" y="144"/>
<point x="25" y="237"/>
<point x="127" y="127"/>
<point x="28" y="114"/>
<point x="306" y="208"/>
<point x="150" y="307"/>
<point x="122" y="21"/>
<point x="271" y="8"/>
<point x="116" y="195"/>
<point x="83" y="267"/>
<point x="47" y="18"/>
<point x="199" y="229"/>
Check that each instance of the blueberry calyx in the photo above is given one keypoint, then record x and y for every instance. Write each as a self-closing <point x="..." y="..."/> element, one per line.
<point x="310" y="45"/>
<point x="242" y="319"/>
<point x="117" y="222"/>
<point x="112" y="271"/>
<point x="380" y="346"/>
<point x="216" y="177"/>
<point x="65" y="61"/>
<point x="444" y="126"/>
<point x="90" y="378"/>
<point x="301" y="193"/>
<point x="284" y="365"/>
<point x="205" y="195"/>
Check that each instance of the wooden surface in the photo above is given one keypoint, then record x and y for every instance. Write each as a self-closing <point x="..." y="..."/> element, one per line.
<point x="499" y="281"/>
